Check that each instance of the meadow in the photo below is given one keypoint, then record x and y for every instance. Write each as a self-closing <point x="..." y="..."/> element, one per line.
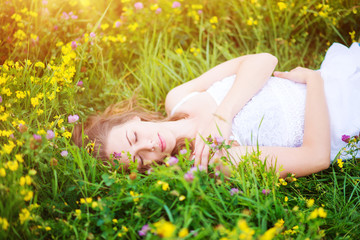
<point x="61" y="61"/>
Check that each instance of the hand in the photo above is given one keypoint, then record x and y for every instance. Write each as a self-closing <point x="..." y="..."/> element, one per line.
<point x="219" y="130"/>
<point x="298" y="74"/>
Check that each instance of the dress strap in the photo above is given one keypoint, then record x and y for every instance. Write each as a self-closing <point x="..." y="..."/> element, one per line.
<point x="187" y="97"/>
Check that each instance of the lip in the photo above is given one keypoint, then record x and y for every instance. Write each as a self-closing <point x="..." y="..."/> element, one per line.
<point x="162" y="143"/>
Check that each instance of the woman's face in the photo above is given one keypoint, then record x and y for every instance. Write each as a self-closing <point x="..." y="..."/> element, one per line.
<point x="141" y="141"/>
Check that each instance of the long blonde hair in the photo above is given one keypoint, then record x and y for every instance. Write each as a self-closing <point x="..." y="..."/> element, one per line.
<point x="97" y="127"/>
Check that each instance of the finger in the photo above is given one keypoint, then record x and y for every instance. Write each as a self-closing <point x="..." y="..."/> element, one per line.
<point x="205" y="157"/>
<point x="199" y="146"/>
<point x="280" y="74"/>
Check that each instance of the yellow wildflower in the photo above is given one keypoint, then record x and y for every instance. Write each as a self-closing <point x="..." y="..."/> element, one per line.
<point x="183" y="232"/>
<point x="47" y="228"/>
<point x="12" y="165"/>
<point x="340" y="163"/>
<point x="282" y="5"/>
<point x="2" y="172"/>
<point x="286" y="199"/>
<point x="279" y="223"/>
<point x="82" y="200"/>
<point x="310" y="203"/>
<point x="322" y="212"/>
<point x="20" y="34"/>
<point x="88" y="200"/>
<point x="251" y="21"/>
<point x="20" y="94"/>
<point x="179" y="51"/>
<point x="78" y="213"/>
<point x="40" y="65"/>
<point x="34" y="101"/>
<point x="24" y="215"/>
<point x="124" y="228"/>
<point x="164" y="228"/>
<point x="94" y="204"/>
<point x="269" y="234"/>
<point x="16" y="17"/>
<point x="115" y="220"/>
<point x="29" y="195"/>
<point x="213" y="20"/>
<point x="4" y="223"/>
<point x="66" y="134"/>
<point x="104" y="26"/>
<point x="165" y="187"/>
<point x="133" y="27"/>
<point x="182" y="198"/>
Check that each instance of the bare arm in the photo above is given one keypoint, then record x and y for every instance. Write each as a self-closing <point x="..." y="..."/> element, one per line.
<point x="314" y="154"/>
<point x="252" y="72"/>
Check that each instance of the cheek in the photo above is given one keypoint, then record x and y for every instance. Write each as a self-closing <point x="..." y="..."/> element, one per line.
<point x="152" y="157"/>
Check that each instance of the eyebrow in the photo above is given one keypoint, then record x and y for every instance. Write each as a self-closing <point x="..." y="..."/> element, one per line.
<point x="133" y="157"/>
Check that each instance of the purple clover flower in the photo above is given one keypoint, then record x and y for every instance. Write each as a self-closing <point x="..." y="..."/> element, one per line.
<point x="144" y="230"/>
<point x="37" y="137"/>
<point x="159" y="10"/>
<point x="172" y="161"/>
<point x="234" y="191"/>
<point x="176" y="4"/>
<point x="183" y="151"/>
<point x="139" y="5"/>
<point x="189" y="176"/>
<point x="65" y="16"/>
<point x="73" y="118"/>
<point x="117" y="155"/>
<point x="73" y="45"/>
<point x="80" y="84"/>
<point x="219" y="140"/>
<point x="345" y="138"/>
<point x="266" y="191"/>
<point x="197" y="168"/>
<point x="64" y="153"/>
<point x="92" y="34"/>
<point x="0" y="99"/>
<point x="50" y="134"/>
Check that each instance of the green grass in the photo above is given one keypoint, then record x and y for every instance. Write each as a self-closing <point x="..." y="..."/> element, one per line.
<point x="148" y="63"/>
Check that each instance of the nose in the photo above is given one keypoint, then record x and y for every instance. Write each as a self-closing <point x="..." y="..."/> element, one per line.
<point x="145" y="146"/>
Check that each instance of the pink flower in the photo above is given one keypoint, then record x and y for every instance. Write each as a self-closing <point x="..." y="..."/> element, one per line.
<point x="56" y="27"/>
<point x="139" y="5"/>
<point x="144" y="230"/>
<point x="197" y="168"/>
<point x="80" y="84"/>
<point x="234" y="191"/>
<point x="92" y="34"/>
<point x="189" y="176"/>
<point x="64" y="153"/>
<point x="219" y="140"/>
<point x="157" y="11"/>
<point x="50" y="134"/>
<point x="183" y="151"/>
<point x="176" y="4"/>
<point x="45" y="2"/>
<point x="172" y="161"/>
<point x="345" y="138"/>
<point x="65" y="16"/>
<point x="73" y="45"/>
<point x="117" y="155"/>
<point x="266" y="191"/>
<point x="0" y="99"/>
<point x="117" y="24"/>
<point x="73" y="118"/>
<point x="200" y="12"/>
<point x="37" y="137"/>
<point x="72" y="15"/>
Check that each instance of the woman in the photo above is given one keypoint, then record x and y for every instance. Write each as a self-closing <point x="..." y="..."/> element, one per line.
<point x="295" y="124"/>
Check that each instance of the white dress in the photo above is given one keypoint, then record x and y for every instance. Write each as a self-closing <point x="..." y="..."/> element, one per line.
<point x="275" y="115"/>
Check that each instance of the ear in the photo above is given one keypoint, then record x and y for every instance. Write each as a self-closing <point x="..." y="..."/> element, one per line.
<point x="136" y="118"/>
